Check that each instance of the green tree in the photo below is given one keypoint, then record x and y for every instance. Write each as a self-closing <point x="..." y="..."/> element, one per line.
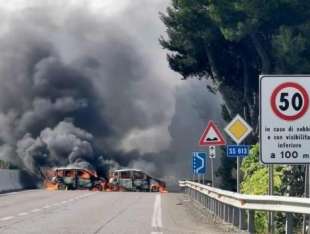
<point x="233" y="41"/>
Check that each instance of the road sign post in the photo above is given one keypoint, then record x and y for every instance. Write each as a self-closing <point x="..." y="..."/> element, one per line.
<point x="284" y="122"/>
<point x="238" y="129"/>
<point x="212" y="137"/>
<point x="212" y="173"/>
<point x="306" y="194"/>
<point x="238" y="175"/>
<point x="270" y="192"/>
<point x="212" y="155"/>
<point x="199" y="163"/>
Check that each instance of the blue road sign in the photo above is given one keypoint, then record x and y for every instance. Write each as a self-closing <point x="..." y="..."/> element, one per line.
<point x="237" y="150"/>
<point x="199" y="162"/>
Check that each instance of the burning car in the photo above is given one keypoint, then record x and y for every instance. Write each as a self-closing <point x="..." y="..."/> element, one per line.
<point x="75" y="178"/>
<point x="134" y="180"/>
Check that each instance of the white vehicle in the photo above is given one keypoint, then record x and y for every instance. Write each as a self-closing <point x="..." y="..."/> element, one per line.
<point x="134" y="180"/>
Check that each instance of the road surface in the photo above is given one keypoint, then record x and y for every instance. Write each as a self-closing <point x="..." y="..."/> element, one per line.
<point x="40" y="211"/>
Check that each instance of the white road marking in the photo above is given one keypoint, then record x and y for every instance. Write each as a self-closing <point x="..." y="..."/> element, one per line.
<point x="7" y="218"/>
<point x="35" y="210"/>
<point x="157" y="218"/>
<point x="7" y="194"/>
<point x="22" y="214"/>
<point x="12" y="193"/>
<point x="156" y="233"/>
<point x="49" y="206"/>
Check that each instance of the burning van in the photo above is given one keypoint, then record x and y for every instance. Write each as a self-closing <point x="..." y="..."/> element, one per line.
<point x="134" y="180"/>
<point x="75" y="178"/>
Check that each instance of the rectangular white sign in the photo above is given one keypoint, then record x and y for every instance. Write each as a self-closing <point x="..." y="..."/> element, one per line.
<point x="284" y="119"/>
<point x="212" y="151"/>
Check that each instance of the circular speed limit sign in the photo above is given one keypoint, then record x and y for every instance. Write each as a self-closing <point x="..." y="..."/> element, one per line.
<point x="289" y="101"/>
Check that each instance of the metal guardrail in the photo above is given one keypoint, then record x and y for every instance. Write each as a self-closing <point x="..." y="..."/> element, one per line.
<point x="231" y="206"/>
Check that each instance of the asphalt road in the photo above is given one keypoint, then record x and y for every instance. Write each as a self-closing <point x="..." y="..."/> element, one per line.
<point x="40" y="211"/>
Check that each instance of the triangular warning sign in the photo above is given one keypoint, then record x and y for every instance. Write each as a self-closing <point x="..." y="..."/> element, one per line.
<point x="211" y="136"/>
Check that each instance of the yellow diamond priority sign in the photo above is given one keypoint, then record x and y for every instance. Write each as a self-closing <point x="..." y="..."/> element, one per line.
<point x="238" y="129"/>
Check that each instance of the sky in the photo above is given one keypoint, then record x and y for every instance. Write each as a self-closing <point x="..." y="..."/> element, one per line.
<point x="87" y="82"/>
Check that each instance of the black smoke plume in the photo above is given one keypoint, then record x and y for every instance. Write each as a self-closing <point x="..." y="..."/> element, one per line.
<point x="87" y="84"/>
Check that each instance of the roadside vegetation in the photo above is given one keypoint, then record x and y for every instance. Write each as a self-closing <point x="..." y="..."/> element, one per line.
<point x="255" y="182"/>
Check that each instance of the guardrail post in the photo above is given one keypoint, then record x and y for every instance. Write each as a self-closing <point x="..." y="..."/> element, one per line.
<point x="289" y="224"/>
<point x="235" y="216"/>
<point x="221" y="211"/>
<point x="242" y="223"/>
<point x="304" y="223"/>
<point x="217" y="208"/>
<point x="221" y="205"/>
<point x="226" y="214"/>
<point x="251" y="222"/>
<point x="231" y="215"/>
<point x="204" y="200"/>
<point x="210" y="204"/>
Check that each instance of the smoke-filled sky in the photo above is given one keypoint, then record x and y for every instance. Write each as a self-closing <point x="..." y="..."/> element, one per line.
<point x="87" y="82"/>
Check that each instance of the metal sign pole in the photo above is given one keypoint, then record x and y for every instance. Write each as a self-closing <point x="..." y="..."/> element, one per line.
<point x="306" y="195"/>
<point x="242" y="224"/>
<point x="233" y="129"/>
<point x="270" y="192"/>
<point x="238" y="174"/>
<point x="212" y="173"/>
<point x="238" y="190"/>
<point x="203" y="175"/>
